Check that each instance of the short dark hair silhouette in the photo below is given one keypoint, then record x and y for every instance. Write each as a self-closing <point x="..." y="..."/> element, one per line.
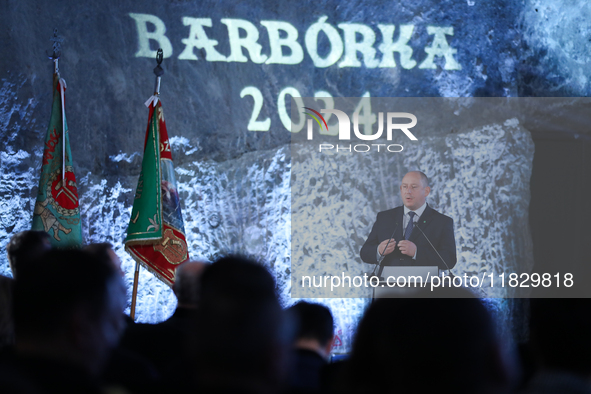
<point x="240" y="336"/>
<point x="53" y="285"/>
<point x="26" y="246"/>
<point x="418" y="345"/>
<point x="100" y="249"/>
<point x="187" y="282"/>
<point x="314" y="322"/>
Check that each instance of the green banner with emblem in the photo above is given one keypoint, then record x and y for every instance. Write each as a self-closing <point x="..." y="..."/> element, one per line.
<point x="57" y="210"/>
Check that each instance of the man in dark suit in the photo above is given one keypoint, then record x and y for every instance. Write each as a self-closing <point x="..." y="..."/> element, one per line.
<point x="395" y="239"/>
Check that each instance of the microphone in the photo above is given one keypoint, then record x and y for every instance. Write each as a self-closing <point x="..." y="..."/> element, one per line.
<point x="428" y="240"/>
<point x="379" y="264"/>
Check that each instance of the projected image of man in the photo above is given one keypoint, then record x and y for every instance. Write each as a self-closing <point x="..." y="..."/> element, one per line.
<point x="412" y="234"/>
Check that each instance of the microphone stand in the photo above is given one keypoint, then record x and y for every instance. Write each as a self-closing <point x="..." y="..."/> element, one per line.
<point x="382" y="256"/>
<point x="428" y="240"/>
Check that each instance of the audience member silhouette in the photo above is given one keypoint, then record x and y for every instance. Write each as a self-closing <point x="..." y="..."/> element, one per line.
<point x="229" y="334"/>
<point x="561" y="343"/>
<point x="168" y="341"/>
<point x="428" y="345"/>
<point x="312" y="345"/>
<point x="104" y="251"/>
<point x="26" y="246"/>
<point x="6" y="323"/>
<point x="241" y="342"/>
<point x="68" y="308"/>
<point x="125" y="369"/>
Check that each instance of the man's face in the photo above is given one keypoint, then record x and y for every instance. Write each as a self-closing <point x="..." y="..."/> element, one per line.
<point x="413" y="191"/>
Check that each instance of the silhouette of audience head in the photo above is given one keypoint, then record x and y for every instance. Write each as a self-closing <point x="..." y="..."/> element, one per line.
<point x="68" y="305"/>
<point x="26" y="246"/>
<point x="427" y="345"/>
<point x="559" y="334"/>
<point x="315" y="329"/>
<point x="105" y="252"/>
<point x="241" y="341"/>
<point x="187" y="282"/>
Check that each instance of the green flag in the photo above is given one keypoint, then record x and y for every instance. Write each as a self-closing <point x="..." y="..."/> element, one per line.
<point x="156" y="232"/>
<point x="57" y="210"/>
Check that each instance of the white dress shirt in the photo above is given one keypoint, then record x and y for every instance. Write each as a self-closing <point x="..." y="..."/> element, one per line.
<point x="405" y="219"/>
<point x="406" y="216"/>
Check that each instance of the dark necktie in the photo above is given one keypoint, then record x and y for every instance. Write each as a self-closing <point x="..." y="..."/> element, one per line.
<point x="410" y="225"/>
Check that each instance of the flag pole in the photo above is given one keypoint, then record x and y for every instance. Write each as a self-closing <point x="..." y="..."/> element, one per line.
<point x="134" y="294"/>
<point x="57" y="51"/>
<point x="158" y="71"/>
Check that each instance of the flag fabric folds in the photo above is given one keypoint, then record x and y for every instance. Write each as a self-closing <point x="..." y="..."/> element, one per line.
<point x="57" y="210"/>
<point x="156" y="232"/>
